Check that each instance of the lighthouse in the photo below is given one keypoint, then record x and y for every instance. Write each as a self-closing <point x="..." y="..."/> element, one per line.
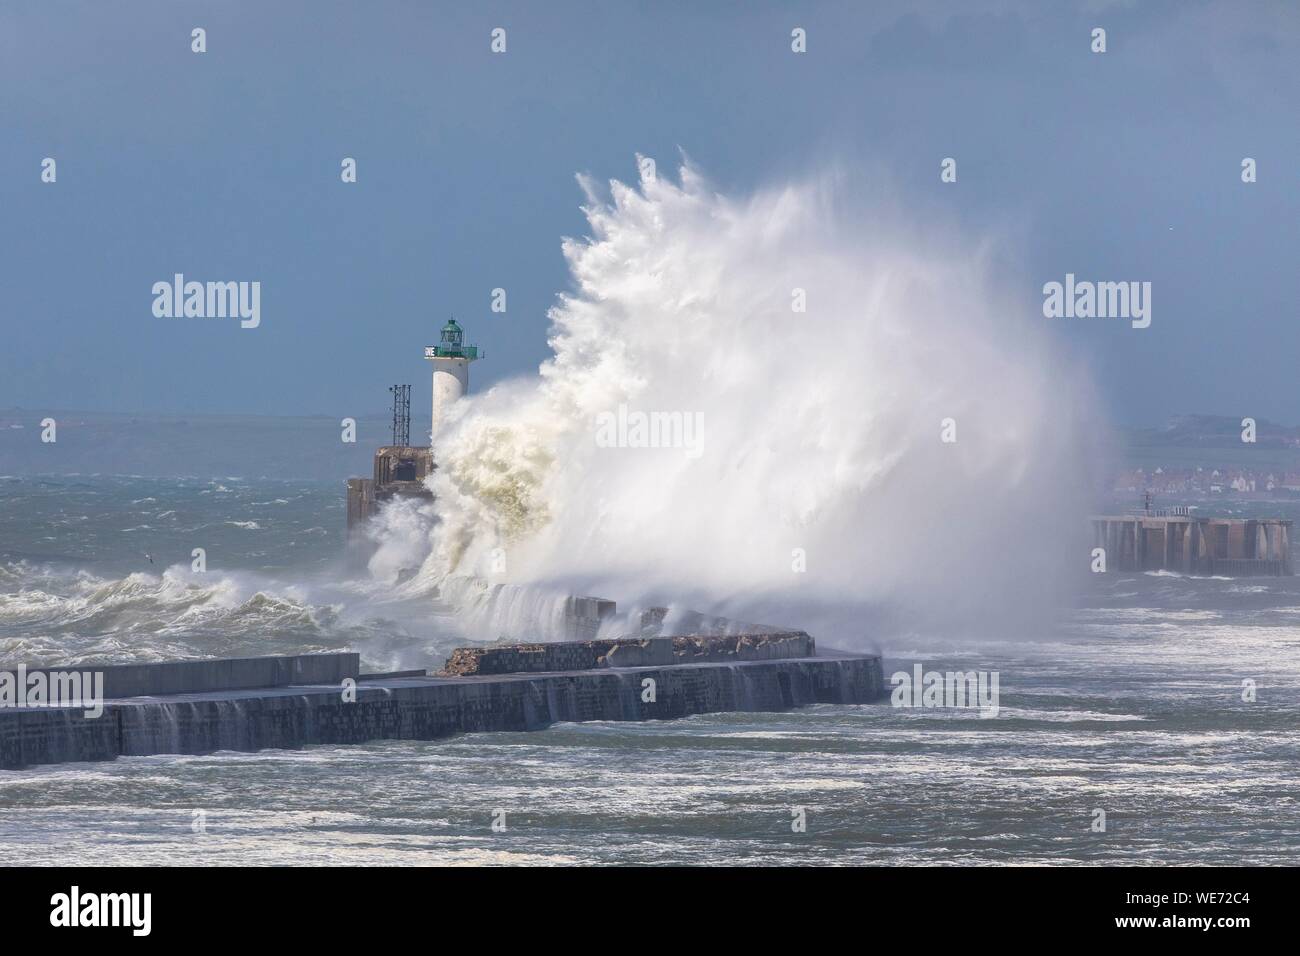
<point x="401" y="468"/>
<point x="450" y="358"/>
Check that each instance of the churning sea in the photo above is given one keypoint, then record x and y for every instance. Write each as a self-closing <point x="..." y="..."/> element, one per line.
<point x="1132" y="705"/>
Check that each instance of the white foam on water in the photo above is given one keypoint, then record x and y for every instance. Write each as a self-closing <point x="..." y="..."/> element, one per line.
<point x="821" y="429"/>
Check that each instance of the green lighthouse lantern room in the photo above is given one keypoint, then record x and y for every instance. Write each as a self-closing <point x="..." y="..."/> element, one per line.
<point x="451" y="344"/>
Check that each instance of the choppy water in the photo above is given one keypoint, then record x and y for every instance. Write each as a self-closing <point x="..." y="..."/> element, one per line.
<point x="1132" y="705"/>
<point x="101" y="568"/>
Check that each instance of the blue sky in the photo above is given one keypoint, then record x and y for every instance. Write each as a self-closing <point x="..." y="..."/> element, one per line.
<point x="225" y="165"/>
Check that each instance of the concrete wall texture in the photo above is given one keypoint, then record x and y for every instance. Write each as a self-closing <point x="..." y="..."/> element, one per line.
<point x="241" y="673"/>
<point x="427" y="708"/>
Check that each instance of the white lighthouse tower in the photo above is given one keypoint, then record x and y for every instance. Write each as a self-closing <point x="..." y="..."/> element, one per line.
<point x="450" y="358"/>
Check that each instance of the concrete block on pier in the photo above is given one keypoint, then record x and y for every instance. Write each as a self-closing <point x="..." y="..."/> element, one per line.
<point x="655" y="651"/>
<point x="583" y="616"/>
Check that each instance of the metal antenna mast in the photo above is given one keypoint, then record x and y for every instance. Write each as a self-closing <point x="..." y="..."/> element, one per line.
<point x="401" y="414"/>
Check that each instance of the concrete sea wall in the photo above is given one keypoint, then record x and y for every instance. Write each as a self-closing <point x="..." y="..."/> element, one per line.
<point x="427" y="708"/>
<point x="63" y="735"/>
<point x="238" y="673"/>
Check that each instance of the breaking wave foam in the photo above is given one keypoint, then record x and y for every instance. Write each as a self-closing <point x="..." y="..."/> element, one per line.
<point x="57" y="616"/>
<point x="821" y="440"/>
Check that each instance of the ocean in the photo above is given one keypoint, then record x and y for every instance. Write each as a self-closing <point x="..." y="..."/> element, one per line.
<point x="1131" y="704"/>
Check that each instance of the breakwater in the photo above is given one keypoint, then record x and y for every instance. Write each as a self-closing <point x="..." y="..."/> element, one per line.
<point x="239" y="673"/>
<point x="351" y="709"/>
<point x="1179" y="541"/>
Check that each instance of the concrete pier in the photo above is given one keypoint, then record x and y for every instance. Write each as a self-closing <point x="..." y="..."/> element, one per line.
<point x="1234" y="547"/>
<point x="219" y="715"/>
<point x="241" y="673"/>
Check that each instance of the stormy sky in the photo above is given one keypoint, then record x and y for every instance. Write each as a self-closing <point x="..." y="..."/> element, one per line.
<point x="225" y="165"/>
